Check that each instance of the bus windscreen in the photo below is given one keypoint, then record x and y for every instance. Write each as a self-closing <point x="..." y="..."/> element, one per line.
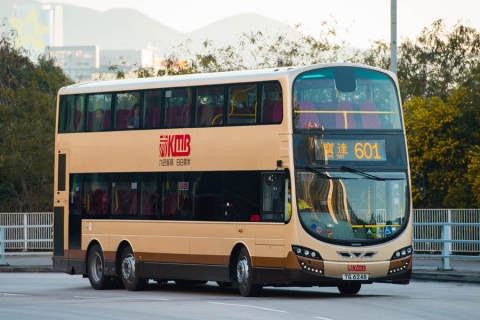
<point x="345" y="98"/>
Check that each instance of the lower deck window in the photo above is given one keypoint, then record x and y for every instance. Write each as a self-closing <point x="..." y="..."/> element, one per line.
<point x="196" y="196"/>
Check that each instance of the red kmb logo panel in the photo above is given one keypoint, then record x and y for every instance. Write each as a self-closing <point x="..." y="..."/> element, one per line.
<point x="174" y="145"/>
<point x="356" y="267"/>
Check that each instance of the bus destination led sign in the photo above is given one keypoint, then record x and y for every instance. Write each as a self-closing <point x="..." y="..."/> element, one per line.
<point x="353" y="150"/>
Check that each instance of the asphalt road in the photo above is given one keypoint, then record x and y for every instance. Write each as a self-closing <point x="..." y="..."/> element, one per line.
<point x="60" y="296"/>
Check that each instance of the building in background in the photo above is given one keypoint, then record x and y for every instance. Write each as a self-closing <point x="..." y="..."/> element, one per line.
<point x="40" y="27"/>
<point x="127" y="59"/>
<point x="37" y="26"/>
<point x="78" y="62"/>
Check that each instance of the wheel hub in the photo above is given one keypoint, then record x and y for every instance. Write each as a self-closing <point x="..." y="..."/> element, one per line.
<point x="96" y="267"/>
<point x="242" y="271"/>
<point x="128" y="268"/>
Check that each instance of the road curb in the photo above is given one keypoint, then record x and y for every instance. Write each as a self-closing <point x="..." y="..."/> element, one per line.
<point x="33" y="269"/>
<point x="447" y="276"/>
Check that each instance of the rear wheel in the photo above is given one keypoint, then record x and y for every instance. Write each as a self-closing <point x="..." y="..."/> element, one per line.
<point x="129" y="277"/>
<point x="245" y="274"/>
<point x="95" y="269"/>
<point x="349" y="288"/>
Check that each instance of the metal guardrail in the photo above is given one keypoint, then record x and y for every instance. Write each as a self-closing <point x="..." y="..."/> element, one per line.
<point x="25" y="233"/>
<point x="438" y="233"/>
<point x="446" y="234"/>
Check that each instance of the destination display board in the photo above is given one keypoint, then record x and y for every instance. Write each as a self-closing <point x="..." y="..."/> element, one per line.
<point x="353" y="150"/>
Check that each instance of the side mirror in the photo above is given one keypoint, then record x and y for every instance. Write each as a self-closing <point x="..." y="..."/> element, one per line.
<point x="421" y="189"/>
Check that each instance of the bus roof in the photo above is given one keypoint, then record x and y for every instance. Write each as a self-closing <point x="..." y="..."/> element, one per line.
<point x="198" y="79"/>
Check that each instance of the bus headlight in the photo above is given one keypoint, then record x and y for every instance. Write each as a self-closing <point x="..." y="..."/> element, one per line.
<point x="310" y="260"/>
<point x="402" y="253"/>
<point x="306" y="252"/>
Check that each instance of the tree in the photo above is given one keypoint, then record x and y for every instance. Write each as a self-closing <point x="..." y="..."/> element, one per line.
<point x="27" y="122"/>
<point x="438" y="61"/>
<point x="439" y="148"/>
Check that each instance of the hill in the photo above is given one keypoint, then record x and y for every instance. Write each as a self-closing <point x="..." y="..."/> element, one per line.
<point x="131" y="29"/>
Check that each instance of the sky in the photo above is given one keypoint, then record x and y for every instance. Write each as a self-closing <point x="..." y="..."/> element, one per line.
<point x="366" y="20"/>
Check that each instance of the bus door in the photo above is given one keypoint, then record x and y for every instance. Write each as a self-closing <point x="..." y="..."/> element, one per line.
<point x="270" y="235"/>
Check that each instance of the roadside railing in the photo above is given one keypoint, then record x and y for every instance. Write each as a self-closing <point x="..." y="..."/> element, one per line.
<point x="25" y="233"/>
<point x="446" y="234"/>
<point x="437" y="233"/>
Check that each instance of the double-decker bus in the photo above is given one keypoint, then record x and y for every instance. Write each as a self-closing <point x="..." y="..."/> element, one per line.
<point x="292" y="176"/>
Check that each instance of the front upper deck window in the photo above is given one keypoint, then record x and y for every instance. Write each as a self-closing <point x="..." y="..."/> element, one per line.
<point x="341" y="98"/>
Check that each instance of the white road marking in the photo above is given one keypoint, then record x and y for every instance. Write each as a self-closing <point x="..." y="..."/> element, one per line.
<point x="323" y="318"/>
<point x="2" y="294"/>
<point x="247" y="306"/>
<point x="104" y="298"/>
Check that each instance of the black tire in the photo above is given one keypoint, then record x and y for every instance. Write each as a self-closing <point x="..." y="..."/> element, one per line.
<point x="245" y="274"/>
<point x="224" y="284"/>
<point x="349" y="288"/>
<point x="127" y="272"/>
<point x="95" y="270"/>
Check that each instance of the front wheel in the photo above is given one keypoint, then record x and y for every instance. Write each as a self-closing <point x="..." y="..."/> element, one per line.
<point x="129" y="277"/>
<point x="95" y="269"/>
<point x="244" y="275"/>
<point x="349" y="288"/>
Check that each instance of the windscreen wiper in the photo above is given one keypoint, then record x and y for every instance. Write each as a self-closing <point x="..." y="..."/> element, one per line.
<point x="367" y="175"/>
<point x="323" y="175"/>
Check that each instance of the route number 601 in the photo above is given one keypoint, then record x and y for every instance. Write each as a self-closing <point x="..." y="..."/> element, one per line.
<point x="366" y="150"/>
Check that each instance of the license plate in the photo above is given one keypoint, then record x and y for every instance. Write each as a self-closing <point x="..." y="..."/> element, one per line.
<point x="355" y="276"/>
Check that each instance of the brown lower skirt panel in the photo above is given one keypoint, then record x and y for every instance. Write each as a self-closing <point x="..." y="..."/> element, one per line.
<point x="70" y="266"/>
<point x="173" y="271"/>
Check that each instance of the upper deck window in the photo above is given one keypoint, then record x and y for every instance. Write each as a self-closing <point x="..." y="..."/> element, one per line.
<point x="209" y="106"/>
<point x="342" y="98"/>
<point x="178" y="108"/>
<point x="98" y="112"/>
<point x="242" y="104"/>
<point x="71" y="114"/>
<point x="127" y="110"/>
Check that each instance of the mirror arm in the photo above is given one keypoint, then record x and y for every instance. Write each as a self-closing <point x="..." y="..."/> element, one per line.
<point x="421" y="184"/>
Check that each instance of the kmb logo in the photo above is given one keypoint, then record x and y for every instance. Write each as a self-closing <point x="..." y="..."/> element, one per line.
<point x="356" y="267"/>
<point x="177" y="145"/>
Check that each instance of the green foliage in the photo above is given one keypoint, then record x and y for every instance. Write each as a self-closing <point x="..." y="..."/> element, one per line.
<point x="27" y="122"/>
<point x="438" y="61"/>
<point x="439" y="149"/>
